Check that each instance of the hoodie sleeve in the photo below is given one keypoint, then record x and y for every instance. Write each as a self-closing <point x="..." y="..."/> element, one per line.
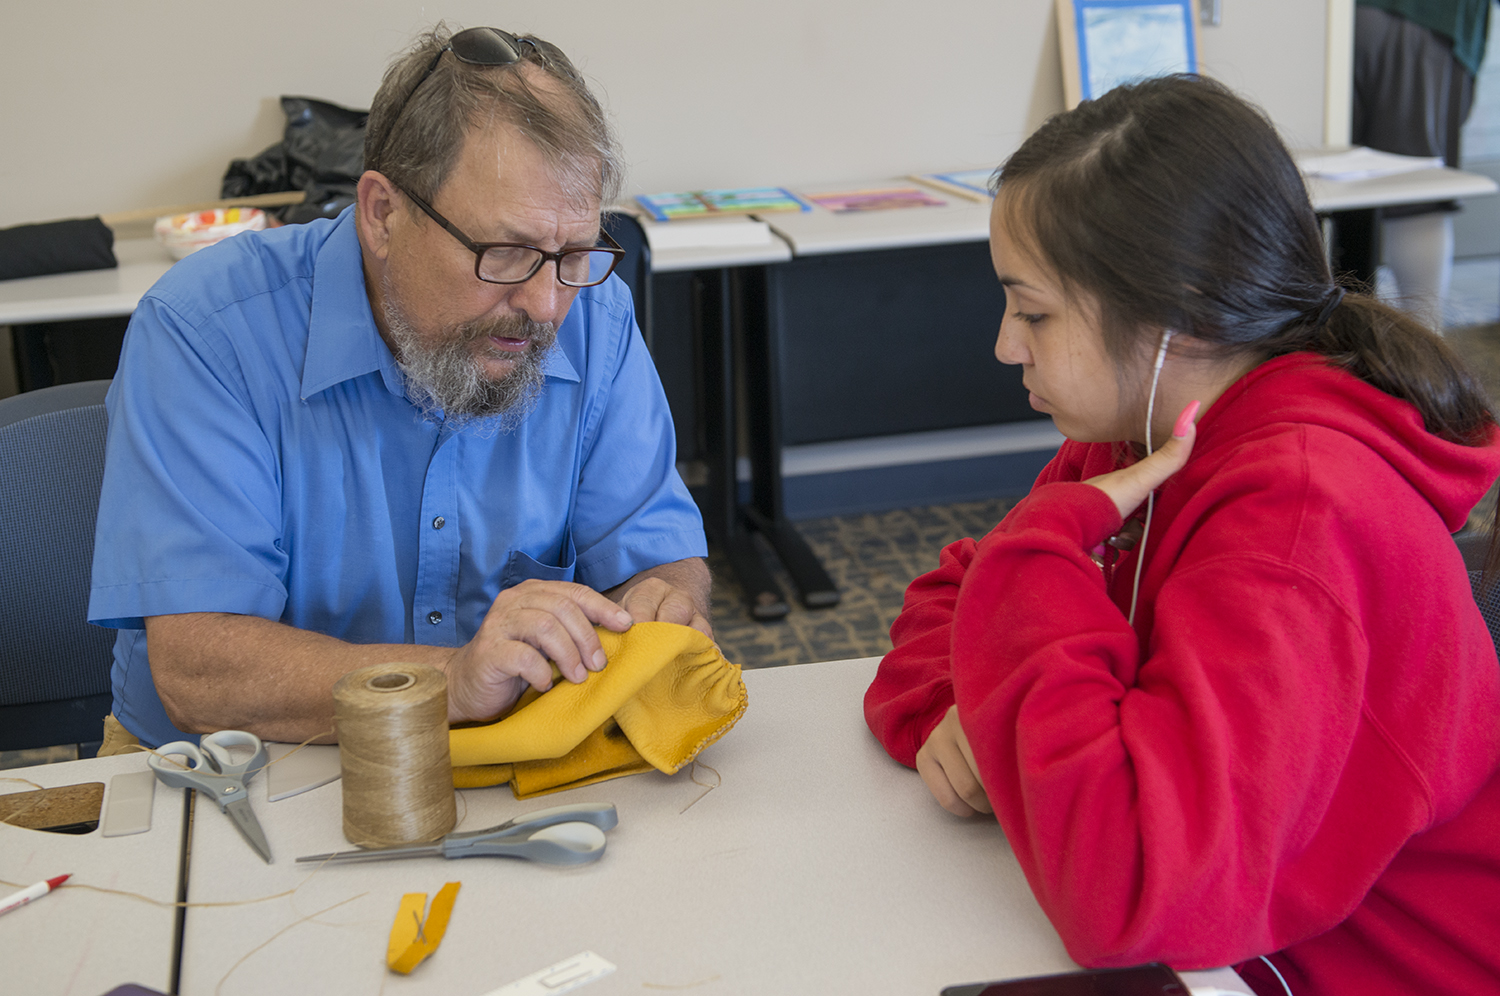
<point x="913" y="689"/>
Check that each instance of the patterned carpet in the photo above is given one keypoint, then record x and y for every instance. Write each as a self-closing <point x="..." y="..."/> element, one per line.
<point x="872" y="558"/>
<point x="1479" y="346"/>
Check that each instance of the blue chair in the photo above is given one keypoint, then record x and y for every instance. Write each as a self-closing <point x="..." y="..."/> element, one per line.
<point x="635" y="268"/>
<point x="54" y="666"/>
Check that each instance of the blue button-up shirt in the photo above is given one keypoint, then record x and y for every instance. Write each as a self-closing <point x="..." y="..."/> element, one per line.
<point x="263" y="459"/>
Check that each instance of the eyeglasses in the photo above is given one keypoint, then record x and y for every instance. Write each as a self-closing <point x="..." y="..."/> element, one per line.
<point x="477" y="47"/>
<point x="517" y="262"/>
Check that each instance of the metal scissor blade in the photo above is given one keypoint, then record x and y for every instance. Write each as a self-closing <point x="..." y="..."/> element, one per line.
<point x="248" y="826"/>
<point x="382" y="854"/>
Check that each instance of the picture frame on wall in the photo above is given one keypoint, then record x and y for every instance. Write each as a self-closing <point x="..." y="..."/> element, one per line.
<point x="1108" y="42"/>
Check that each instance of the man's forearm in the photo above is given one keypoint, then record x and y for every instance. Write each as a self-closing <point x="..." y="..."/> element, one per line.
<point x="690" y="576"/>
<point x="218" y="671"/>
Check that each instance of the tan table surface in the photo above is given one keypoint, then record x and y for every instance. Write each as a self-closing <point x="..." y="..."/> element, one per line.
<point x="74" y="940"/>
<point x="819" y="866"/>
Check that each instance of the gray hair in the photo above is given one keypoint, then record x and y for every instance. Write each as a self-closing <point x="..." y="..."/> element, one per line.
<point x="415" y="138"/>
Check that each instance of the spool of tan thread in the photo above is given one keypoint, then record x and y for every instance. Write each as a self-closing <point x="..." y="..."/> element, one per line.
<point x="392" y="722"/>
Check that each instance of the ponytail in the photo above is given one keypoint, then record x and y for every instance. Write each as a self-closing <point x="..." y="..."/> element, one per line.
<point x="1387" y="348"/>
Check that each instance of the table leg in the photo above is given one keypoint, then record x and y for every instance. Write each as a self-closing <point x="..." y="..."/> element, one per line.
<point x="722" y="516"/>
<point x="763" y="410"/>
<point x="1355" y="248"/>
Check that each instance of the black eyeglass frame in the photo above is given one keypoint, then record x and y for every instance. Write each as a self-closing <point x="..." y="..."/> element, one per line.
<point x="616" y="251"/>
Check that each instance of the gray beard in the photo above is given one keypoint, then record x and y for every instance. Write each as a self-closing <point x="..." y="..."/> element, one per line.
<point x="446" y="383"/>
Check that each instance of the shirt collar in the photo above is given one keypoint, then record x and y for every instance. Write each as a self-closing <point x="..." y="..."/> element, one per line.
<point x="342" y="340"/>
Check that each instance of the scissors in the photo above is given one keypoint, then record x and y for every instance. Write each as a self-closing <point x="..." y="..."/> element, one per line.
<point x="564" y="835"/>
<point x="215" y="774"/>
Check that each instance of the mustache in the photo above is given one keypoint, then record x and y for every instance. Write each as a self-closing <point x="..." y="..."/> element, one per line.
<point x="517" y="326"/>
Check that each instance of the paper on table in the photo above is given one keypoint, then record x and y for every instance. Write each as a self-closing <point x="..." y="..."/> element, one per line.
<point x="698" y="234"/>
<point x="570" y="973"/>
<point x="294" y="771"/>
<point x="127" y="808"/>
<point x="1360" y="163"/>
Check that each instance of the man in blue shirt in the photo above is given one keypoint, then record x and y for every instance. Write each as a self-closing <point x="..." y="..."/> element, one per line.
<point x="424" y="431"/>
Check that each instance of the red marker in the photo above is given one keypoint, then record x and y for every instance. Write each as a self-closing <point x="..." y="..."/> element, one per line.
<point x="16" y="900"/>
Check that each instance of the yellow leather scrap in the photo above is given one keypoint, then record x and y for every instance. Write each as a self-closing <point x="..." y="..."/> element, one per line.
<point x="665" y="694"/>
<point x="411" y="939"/>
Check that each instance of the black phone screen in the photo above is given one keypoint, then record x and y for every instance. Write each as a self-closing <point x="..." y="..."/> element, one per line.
<point x="1154" y="979"/>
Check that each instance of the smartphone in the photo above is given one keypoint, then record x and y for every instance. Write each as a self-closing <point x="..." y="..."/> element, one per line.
<point x="1154" y="979"/>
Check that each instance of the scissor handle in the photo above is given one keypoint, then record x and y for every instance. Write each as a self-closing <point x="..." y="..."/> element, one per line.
<point x="569" y="842"/>
<point x="199" y="774"/>
<point x="601" y="815"/>
<point x="217" y="745"/>
<point x="213" y="770"/>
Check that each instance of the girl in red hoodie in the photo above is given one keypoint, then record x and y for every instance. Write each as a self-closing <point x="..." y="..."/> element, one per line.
<point x="1223" y="684"/>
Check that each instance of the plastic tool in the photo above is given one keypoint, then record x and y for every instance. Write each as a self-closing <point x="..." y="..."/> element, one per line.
<point x="564" y="835"/>
<point x="216" y="775"/>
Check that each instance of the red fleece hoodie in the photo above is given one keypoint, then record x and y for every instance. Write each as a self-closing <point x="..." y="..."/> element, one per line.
<point x="1294" y="750"/>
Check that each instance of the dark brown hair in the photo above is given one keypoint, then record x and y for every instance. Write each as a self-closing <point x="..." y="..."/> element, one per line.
<point x="415" y="137"/>
<point x="1174" y="203"/>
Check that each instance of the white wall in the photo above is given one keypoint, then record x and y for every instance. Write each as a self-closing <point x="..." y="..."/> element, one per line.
<point x="110" y="105"/>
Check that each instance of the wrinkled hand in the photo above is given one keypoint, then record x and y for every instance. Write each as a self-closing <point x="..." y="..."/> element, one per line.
<point x="655" y="600"/>
<point x="946" y="764"/>
<point x="527" y="626"/>
<point x="1129" y="486"/>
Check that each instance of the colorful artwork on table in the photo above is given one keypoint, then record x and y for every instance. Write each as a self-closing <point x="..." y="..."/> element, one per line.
<point x="717" y="203"/>
<point x="880" y="199"/>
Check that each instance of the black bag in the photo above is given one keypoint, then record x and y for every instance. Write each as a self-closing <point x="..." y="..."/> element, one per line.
<point x="321" y="152"/>
<point x="56" y="247"/>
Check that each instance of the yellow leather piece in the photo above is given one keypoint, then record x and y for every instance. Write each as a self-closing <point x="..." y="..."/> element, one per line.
<point x="411" y="939"/>
<point x="665" y="694"/>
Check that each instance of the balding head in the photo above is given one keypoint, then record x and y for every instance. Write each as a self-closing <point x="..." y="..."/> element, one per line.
<point x="415" y="136"/>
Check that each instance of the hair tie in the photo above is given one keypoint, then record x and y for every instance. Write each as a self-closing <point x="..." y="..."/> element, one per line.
<point x="1335" y="298"/>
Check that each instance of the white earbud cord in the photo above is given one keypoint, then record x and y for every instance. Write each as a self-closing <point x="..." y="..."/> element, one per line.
<point x="1140" y="559"/>
<point x="1140" y="550"/>
<point x="1285" y="988"/>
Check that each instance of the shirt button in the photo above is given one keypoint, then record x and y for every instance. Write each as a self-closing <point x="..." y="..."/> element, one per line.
<point x="438" y="522"/>
<point x="434" y="617"/>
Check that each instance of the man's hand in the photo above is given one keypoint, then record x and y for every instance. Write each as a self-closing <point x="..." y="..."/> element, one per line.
<point x="675" y="593"/>
<point x="1129" y="486"/>
<point x="947" y="766"/>
<point x="527" y="626"/>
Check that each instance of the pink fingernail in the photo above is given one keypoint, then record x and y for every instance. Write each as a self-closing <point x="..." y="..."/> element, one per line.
<point x="1185" y="420"/>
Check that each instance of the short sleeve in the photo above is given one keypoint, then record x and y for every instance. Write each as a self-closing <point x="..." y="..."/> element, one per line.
<point x="633" y="511"/>
<point x="189" y="512"/>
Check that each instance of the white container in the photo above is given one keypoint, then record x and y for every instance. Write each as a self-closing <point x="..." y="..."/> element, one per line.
<point x="183" y="234"/>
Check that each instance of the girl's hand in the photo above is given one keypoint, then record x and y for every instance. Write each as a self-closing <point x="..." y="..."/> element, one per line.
<point x="946" y="764"/>
<point x="1129" y="486"/>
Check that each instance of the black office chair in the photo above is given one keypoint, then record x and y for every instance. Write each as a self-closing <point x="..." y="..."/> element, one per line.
<point x="635" y="268"/>
<point x="1489" y="605"/>
<point x="54" y="666"/>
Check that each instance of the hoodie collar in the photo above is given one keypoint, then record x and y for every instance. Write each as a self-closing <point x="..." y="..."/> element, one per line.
<point x="1307" y="389"/>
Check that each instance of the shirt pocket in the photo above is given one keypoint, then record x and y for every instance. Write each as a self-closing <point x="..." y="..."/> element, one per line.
<point x="522" y="567"/>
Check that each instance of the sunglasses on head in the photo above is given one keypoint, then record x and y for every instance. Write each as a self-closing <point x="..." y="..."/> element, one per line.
<point x="477" y="47"/>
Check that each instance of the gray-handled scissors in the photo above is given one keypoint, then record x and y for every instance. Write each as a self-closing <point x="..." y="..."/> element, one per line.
<point x="215" y="774"/>
<point x="564" y="835"/>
